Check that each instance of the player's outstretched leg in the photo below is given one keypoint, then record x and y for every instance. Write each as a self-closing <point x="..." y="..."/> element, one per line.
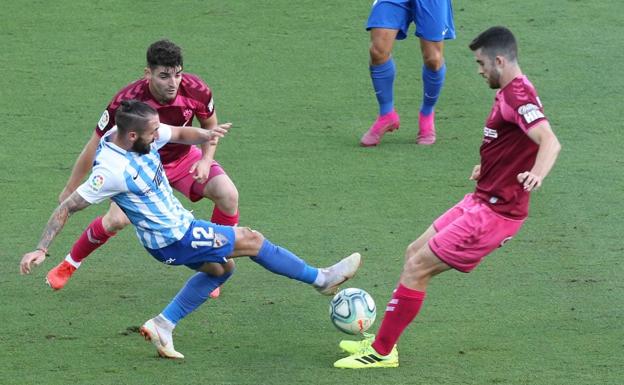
<point x="94" y="236"/>
<point x="283" y="262"/>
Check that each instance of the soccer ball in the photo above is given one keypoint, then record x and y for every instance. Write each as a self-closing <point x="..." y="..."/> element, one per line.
<point x="352" y="311"/>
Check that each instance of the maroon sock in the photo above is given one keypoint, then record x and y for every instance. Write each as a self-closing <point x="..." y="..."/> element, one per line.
<point x="402" y="309"/>
<point x="93" y="237"/>
<point x="221" y="218"/>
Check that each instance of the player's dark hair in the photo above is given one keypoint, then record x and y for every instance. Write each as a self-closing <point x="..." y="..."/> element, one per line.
<point x="164" y="53"/>
<point x="496" y="41"/>
<point x="133" y="115"/>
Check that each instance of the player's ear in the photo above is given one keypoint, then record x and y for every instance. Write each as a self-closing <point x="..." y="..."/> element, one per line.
<point x="147" y="73"/>
<point x="133" y="136"/>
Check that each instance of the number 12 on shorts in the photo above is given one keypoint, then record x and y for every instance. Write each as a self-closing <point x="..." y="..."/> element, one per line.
<point x="204" y="237"/>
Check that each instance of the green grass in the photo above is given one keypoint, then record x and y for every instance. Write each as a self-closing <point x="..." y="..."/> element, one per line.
<point x="293" y="78"/>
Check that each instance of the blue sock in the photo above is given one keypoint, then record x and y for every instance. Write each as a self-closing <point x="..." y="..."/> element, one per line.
<point x="280" y="261"/>
<point x="383" y="83"/>
<point x="192" y="295"/>
<point x="432" y="85"/>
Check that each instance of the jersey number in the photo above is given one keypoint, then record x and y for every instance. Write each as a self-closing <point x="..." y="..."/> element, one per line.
<point x="204" y="237"/>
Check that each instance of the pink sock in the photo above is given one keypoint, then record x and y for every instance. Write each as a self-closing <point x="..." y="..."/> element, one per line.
<point x="93" y="237"/>
<point x="402" y="308"/>
<point x="221" y="218"/>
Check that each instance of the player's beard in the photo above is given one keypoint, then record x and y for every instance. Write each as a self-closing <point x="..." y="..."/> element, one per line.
<point x="494" y="79"/>
<point x="141" y="146"/>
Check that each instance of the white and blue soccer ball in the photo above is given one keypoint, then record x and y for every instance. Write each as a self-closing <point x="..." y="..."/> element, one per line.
<point x="352" y="311"/>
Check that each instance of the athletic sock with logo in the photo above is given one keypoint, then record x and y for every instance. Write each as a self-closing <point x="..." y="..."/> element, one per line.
<point x="401" y="310"/>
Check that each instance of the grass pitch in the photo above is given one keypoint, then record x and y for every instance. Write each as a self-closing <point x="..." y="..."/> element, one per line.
<point x="293" y="78"/>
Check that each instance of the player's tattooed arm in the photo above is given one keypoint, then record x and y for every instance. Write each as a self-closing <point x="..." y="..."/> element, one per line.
<point x="75" y="202"/>
<point x="56" y="222"/>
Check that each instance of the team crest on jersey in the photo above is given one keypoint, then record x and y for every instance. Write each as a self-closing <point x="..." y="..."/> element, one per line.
<point x="96" y="182"/>
<point x="103" y="120"/>
<point x="188" y="114"/>
<point x="220" y="240"/>
<point x="210" y="105"/>
<point x="530" y="112"/>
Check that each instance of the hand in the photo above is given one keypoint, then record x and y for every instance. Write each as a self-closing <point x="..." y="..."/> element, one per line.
<point x="476" y="172"/>
<point x="218" y="132"/>
<point x="530" y="181"/>
<point x="30" y="260"/>
<point x="201" y="170"/>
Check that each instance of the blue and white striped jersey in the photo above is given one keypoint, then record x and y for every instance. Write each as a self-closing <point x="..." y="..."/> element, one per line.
<point x="137" y="183"/>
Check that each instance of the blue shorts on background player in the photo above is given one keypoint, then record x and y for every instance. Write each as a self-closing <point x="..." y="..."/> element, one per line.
<point x="389" y="20"/>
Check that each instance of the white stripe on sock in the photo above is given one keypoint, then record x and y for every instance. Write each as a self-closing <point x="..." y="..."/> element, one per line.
<point x="71" y="261"/>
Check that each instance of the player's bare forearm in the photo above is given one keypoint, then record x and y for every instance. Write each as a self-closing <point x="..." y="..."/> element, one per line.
<point x="194" y="135"/>
<point x="209" y="150"/>
<point x="549" y="148"/>
<point x="59" y="217"/>
<point x="546" y="156"/>
<point x="547" y="153"/>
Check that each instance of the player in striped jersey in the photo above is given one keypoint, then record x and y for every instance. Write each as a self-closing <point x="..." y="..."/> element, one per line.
<point x="128" y="170"/>
<point x="178" y="97"/>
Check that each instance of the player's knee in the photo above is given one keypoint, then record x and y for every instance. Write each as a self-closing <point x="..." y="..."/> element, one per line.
<point x="433" y="60"/>
<point x="217" y="269"/>
<point x="229" y="201"/>
<point x="251" y="239"/>
<point x="414" y="262"/>
<point x="379" y="53"/>
<point x="114" y="221"/>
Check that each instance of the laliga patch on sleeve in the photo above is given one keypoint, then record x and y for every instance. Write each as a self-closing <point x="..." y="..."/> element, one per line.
<point x="103" y="120"/>
<point x="210" y="105"/>
<point x="530" y="112"/>
<point x="96" y="182"/>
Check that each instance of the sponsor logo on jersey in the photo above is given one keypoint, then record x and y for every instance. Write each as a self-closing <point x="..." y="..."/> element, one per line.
<point x="490" y="132"/>
<point x="159" y="175"/>
<point x="210" y="105"/>
<point x="103" y="120"/>
<point x="530" y="112"/>
<point x="96" y="182"/>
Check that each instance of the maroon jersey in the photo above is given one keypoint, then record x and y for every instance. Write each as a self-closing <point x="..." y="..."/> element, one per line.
<point x="507" y="150"/>
<point x="194" y="98"/>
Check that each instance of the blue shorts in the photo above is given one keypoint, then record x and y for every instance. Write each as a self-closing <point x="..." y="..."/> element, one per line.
<point x="203" y="242"/>
<point x="433" y="18"/>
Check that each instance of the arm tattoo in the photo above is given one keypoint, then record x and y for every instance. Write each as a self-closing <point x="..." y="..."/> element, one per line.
<point x="73" y="203"/>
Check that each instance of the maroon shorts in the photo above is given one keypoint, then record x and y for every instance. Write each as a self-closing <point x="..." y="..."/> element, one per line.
<point x="180" y="178"/>
<point x="469" y="231"/>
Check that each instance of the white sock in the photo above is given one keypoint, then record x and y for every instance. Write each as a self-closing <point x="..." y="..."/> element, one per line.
<point x="164" y="322"/>
<point x="321" y="278"/>
<point x="71" y="261"/>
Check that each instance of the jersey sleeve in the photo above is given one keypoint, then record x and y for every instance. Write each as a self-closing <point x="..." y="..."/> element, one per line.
<point x="164" y="136"/>
<point x="524" y="108"/>
<point x="101" y="185"/>
<point x="107" y="120"/>
<point x="205" y="110"/>
<point x="201" y="94"/>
